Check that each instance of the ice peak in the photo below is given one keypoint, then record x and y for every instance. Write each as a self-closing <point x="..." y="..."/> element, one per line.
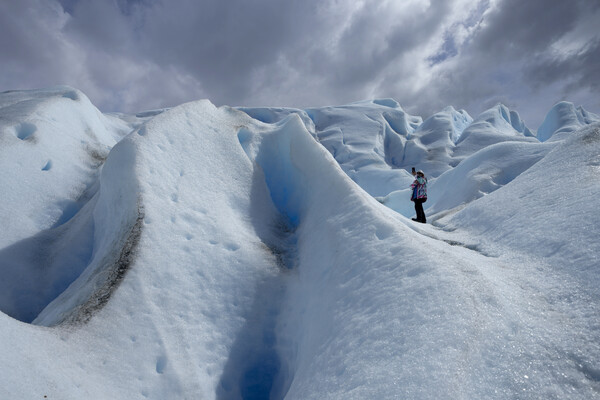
<point x="563" y="118"/>
<point x="503" y="119"/>
<point x="387" y="103"/>
<point x="450" y="121"/>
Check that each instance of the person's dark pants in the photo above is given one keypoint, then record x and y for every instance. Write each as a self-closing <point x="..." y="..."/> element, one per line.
<point x="419" y="210"/>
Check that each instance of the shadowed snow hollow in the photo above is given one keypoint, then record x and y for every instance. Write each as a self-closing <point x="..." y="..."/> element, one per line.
<point x="54" y="143"/>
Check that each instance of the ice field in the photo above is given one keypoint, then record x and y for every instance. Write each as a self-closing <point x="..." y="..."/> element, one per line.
<point x="252" y="253"/>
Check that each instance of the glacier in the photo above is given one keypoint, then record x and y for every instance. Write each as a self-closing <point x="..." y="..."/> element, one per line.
<point x="250" y="253"/>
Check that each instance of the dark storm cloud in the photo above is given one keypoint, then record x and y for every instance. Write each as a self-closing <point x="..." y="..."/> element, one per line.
<point x="218" y="44"/>
<point x="371" y="42"/>
<point x="578" y="71"/>
<point x="514" y="56"/>
<point x="221" y="42"/>
<point x="131" y="55"/>
<point x="524" y="27"/>
<point x="99" y="25"/>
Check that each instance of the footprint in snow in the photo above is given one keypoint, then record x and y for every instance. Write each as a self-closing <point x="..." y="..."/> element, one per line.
<point x="47" y="166"/>
<point x="161" y="364"/>
<point x="25" y="130"/>
<point x="232" y="246"/>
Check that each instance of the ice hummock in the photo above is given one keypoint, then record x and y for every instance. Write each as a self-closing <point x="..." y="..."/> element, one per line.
<point x="564" y="118"/>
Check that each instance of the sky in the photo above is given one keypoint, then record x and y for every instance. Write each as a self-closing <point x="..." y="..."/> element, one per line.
<point x="135" y="55"/>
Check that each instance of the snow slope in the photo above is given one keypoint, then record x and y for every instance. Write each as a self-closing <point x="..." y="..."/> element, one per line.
<point x="239" y="253"/>
<point x="552" y="200"/>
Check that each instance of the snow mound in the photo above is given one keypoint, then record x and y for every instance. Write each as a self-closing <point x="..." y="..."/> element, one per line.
<point x="430" y="147"/>
<point x="391" y="103"/>
<point x="54" y="143"/>
<point x="447" y="125"/>
<point x="498" y="124"/>
<point x="562" y="119"/>
<point x="36" y="129"/>
<point x="273" y="115"/>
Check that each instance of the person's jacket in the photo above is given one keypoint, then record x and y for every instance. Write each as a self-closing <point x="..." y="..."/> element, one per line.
<point x="419" y="187"/>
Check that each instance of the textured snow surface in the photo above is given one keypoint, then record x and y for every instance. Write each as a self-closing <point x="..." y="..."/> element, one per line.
<point x="204" y="252"/>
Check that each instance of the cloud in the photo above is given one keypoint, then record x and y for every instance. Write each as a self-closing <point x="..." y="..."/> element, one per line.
<point x="514" y="55"/>
<point x="130" y="55"/>
<point x="31" y="43"/>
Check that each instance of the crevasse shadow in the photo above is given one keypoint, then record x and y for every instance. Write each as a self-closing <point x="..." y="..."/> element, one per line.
<point x="37" y="269"/>
<point x="254" y="365"/>
<point x="255" y="368"/>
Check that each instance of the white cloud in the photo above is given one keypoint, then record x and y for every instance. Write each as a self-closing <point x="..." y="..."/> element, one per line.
<point x="133" y="55"/>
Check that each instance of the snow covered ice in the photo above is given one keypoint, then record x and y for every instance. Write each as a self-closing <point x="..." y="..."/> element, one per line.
<point x="251" y="253"/>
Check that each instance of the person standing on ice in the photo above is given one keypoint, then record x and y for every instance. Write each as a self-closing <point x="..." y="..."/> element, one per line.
<point x="419" y="195"/>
